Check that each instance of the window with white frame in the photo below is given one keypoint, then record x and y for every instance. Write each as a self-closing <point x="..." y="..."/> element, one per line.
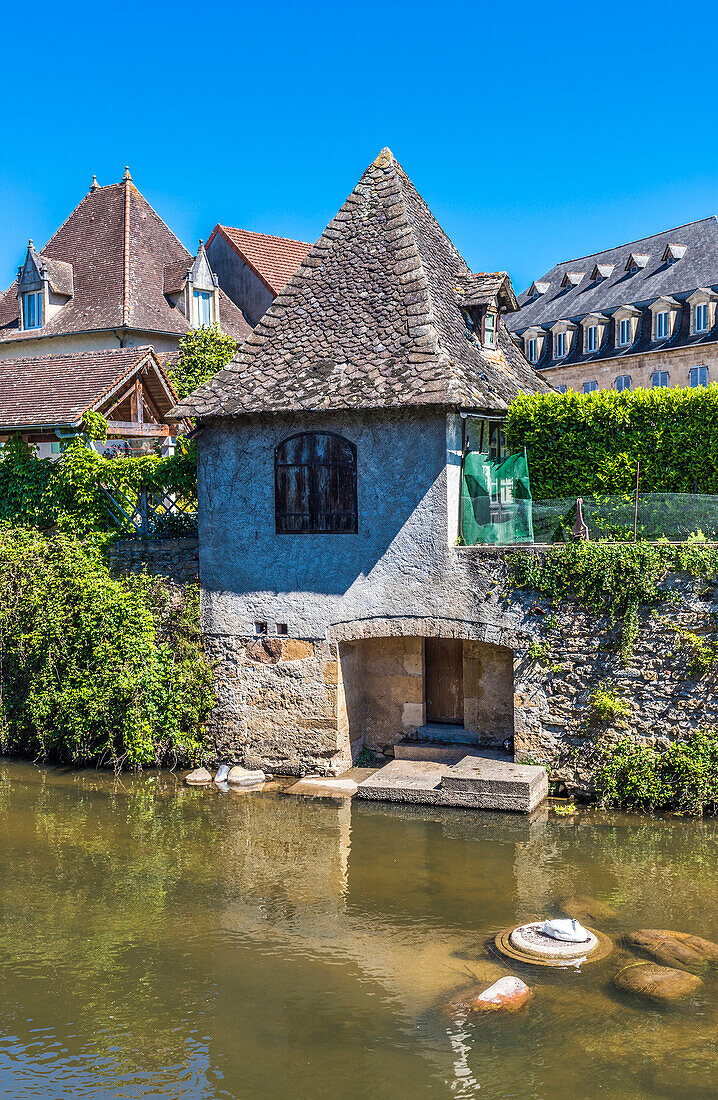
<point x="560" y="345"/>
<point x="700" y="317"/>
<point x="623" y="382"/>
<point x="202" y="307"/>
<point x="533" y="349"/>
<point x="659" y="379"/>
<point x="662" y="325"/>
<point x="589" y="387"/>
<point x="624" y="331"/>
<point x="32" y="309"/>
<point x="490" y="330"/>
<point x="591" y="337"/>
<point x="698" y="376"/>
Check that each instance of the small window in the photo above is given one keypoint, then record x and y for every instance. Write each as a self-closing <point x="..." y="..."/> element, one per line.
<point x="560" y="339"/>
<point x="591" y="338"/>
<point x="315" y="484"/>
<point x="700" y="317"/>
<point x="662" y="325"/>
<point x="659" y="379"/>
<point x="490" y="330"/>
<point x="624" y="332"/>
<point x="562" y="388"/>
<point x="32" y="309"/>
<point x="589" y="387"/>
<point x="533" y="350"/>
<point x="623" y="382"/>
<point x="202" y="307"/>
<point x="260" y="628"/>
<point x="282" y="629"/>
<point x="698" y="376"/>
<point x="56" y="447"/>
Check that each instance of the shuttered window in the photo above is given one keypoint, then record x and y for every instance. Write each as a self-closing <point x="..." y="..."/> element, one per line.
<point x="315" y="484"/>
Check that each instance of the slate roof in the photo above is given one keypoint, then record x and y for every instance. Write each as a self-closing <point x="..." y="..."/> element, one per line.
<point x="55" y="390"/>
<point x="696" y="245"/>
<point x="118" y="247"/>
<point x="697" y="267"/>
<point x="370" y="320"/>
<point x="272" y="259"/>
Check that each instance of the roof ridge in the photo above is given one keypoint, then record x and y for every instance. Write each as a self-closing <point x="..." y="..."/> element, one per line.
<point x="126" y="257"/>
<point x="638" y="240"/>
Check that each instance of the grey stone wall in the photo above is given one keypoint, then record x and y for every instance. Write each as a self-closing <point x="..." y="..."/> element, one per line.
<point x="239" y="281"/>
<point x="174" y="558"/>
<point x="305" y="699"/>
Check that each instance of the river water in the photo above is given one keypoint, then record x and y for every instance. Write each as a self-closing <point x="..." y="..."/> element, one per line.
<point x="160" y="941"/>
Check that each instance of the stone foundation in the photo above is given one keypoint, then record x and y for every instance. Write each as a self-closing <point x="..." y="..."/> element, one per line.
<point x="293" y="706"/>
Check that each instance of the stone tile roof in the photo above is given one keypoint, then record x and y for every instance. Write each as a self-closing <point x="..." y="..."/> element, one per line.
<point x="117" y="246"/>
<point x="272" y="259"/>
<point x="482" y="288"/>
<point x="696" y="267"/>
<point x="49" y="390"/>
<point x="370" y="320"/>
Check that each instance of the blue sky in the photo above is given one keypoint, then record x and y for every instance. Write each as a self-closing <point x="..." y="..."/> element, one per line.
<point x="535" y="131"/>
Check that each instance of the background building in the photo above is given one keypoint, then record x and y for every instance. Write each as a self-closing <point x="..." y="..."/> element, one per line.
<point x="642" y="314"/>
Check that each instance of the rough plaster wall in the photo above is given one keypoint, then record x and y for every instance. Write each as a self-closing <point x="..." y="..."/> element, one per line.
<point x="90" y="341"/>
<point x="238" y="281"/>
<point x="398" y="564"/>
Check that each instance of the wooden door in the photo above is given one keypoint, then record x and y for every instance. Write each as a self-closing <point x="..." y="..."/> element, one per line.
<point x="444" y="679"/>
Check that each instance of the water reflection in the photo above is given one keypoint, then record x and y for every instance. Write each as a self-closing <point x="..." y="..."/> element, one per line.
<point x="165" y="941"/>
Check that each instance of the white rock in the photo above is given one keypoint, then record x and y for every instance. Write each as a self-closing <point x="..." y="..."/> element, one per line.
<point x="243" y="777"/>
<point x="222" y="773"/>
<point x="198" y="777"/>
<point x="505" y="989"/>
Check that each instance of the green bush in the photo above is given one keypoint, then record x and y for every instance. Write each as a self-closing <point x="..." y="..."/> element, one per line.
<point x="66" y="493"/>
<point x="587" y="444"/>
<point x="683" y="777"/>
<point x="606" y="705"/>
<point x="96" y="669"/>
<point x="608" y="578"/>
<point x="202" y="353"/>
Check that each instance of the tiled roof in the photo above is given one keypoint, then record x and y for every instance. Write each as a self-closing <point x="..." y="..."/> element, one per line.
<point x="697" y="266"/>
<point x="46" y="390"/>
<point x="60" y="275"/>
<point x="370" y="320"/>
<point x="273" y="259"/>
<point x="481" y="288"/>
<point x="118" y="247"/>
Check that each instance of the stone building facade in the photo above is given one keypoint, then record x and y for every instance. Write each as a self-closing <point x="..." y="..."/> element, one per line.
<point x="638" y="315"/>
<point x="330" y="455"/>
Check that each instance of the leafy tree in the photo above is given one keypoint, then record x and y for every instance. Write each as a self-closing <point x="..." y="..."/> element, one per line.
<point x="202" y="353"/>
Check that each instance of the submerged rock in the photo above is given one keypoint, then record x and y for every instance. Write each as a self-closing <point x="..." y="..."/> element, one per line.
<point x="660" y="984"/>
<point x="508" y="994"/>
<point x="244" y="777"/>
<point x="587" y="908"/>
<point x="198" y="777"/>
<point x="674" y="948"/>
<point x="324" y="786"/>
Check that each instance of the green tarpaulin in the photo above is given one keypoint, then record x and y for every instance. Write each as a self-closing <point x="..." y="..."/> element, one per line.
<point x="496" y="502"/>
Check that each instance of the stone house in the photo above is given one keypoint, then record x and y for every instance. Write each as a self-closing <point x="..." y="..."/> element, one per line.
<point x="113" y="276"/>
<point x="252" y="268"/>
<point x="335" y="597"/>
<point x="639" y="315"/>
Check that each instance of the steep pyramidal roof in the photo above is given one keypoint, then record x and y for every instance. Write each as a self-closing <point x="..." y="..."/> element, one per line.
<point x="117" y="246"/>
<point x="370" y="320"/>
<point x="273" y="259"/>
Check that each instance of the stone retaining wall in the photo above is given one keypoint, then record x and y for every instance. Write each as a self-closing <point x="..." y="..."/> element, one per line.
<point x="177" y="559"/>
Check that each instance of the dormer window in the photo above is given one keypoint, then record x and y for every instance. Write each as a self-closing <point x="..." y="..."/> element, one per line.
<point x="591" y="338"/>
<point x="560" y="349"/>
<point x="662" y="325"/>
<point x="673" y="253"/>
<point x="636" y="261"/>
<point x="532" y="350"/>
<point x="489" y="329"/>
<point x="700" y="317"/>
<point x="601" y="272"/>
<point x="32" y="309"/>
<point x="571" y="279"/>
<point x="202" y="308"/>
<point x="624" y="332"/>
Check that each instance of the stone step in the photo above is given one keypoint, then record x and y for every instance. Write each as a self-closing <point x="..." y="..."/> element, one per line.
<point x="446" y="753"/>
<point x="437" y="731"/>
<point x="474" y="782"/>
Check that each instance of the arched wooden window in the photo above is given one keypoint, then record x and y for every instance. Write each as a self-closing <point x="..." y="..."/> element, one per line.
<point x="315" y="484"/>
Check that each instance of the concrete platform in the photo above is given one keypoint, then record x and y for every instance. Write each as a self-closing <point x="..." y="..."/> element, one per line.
<point x="442" y="732"/>
<point x="474" y="782"/>
<point x="446" y="753"/>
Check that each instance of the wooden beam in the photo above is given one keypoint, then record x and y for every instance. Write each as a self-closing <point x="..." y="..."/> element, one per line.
<point x="131" y="428"/>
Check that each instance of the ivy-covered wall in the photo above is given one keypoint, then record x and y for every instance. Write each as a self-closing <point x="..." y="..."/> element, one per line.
<point x="585" y="444"/>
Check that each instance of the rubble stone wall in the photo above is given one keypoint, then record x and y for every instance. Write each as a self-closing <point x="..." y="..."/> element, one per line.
<point x="174" y="558"/>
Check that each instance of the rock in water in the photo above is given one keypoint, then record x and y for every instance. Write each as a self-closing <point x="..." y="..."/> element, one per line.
<point x="222" y="773"/>
<point x="243" y="777"/>
<point x="508" y="994"/>
<point x="660" y="984"/>
<point x="674" y="948"/>
<point x="588" y="908"/>
<point x="198" y="777"/>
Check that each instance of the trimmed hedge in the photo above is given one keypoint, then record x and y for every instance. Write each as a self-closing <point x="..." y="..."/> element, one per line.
<point x="586" y="444"/>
